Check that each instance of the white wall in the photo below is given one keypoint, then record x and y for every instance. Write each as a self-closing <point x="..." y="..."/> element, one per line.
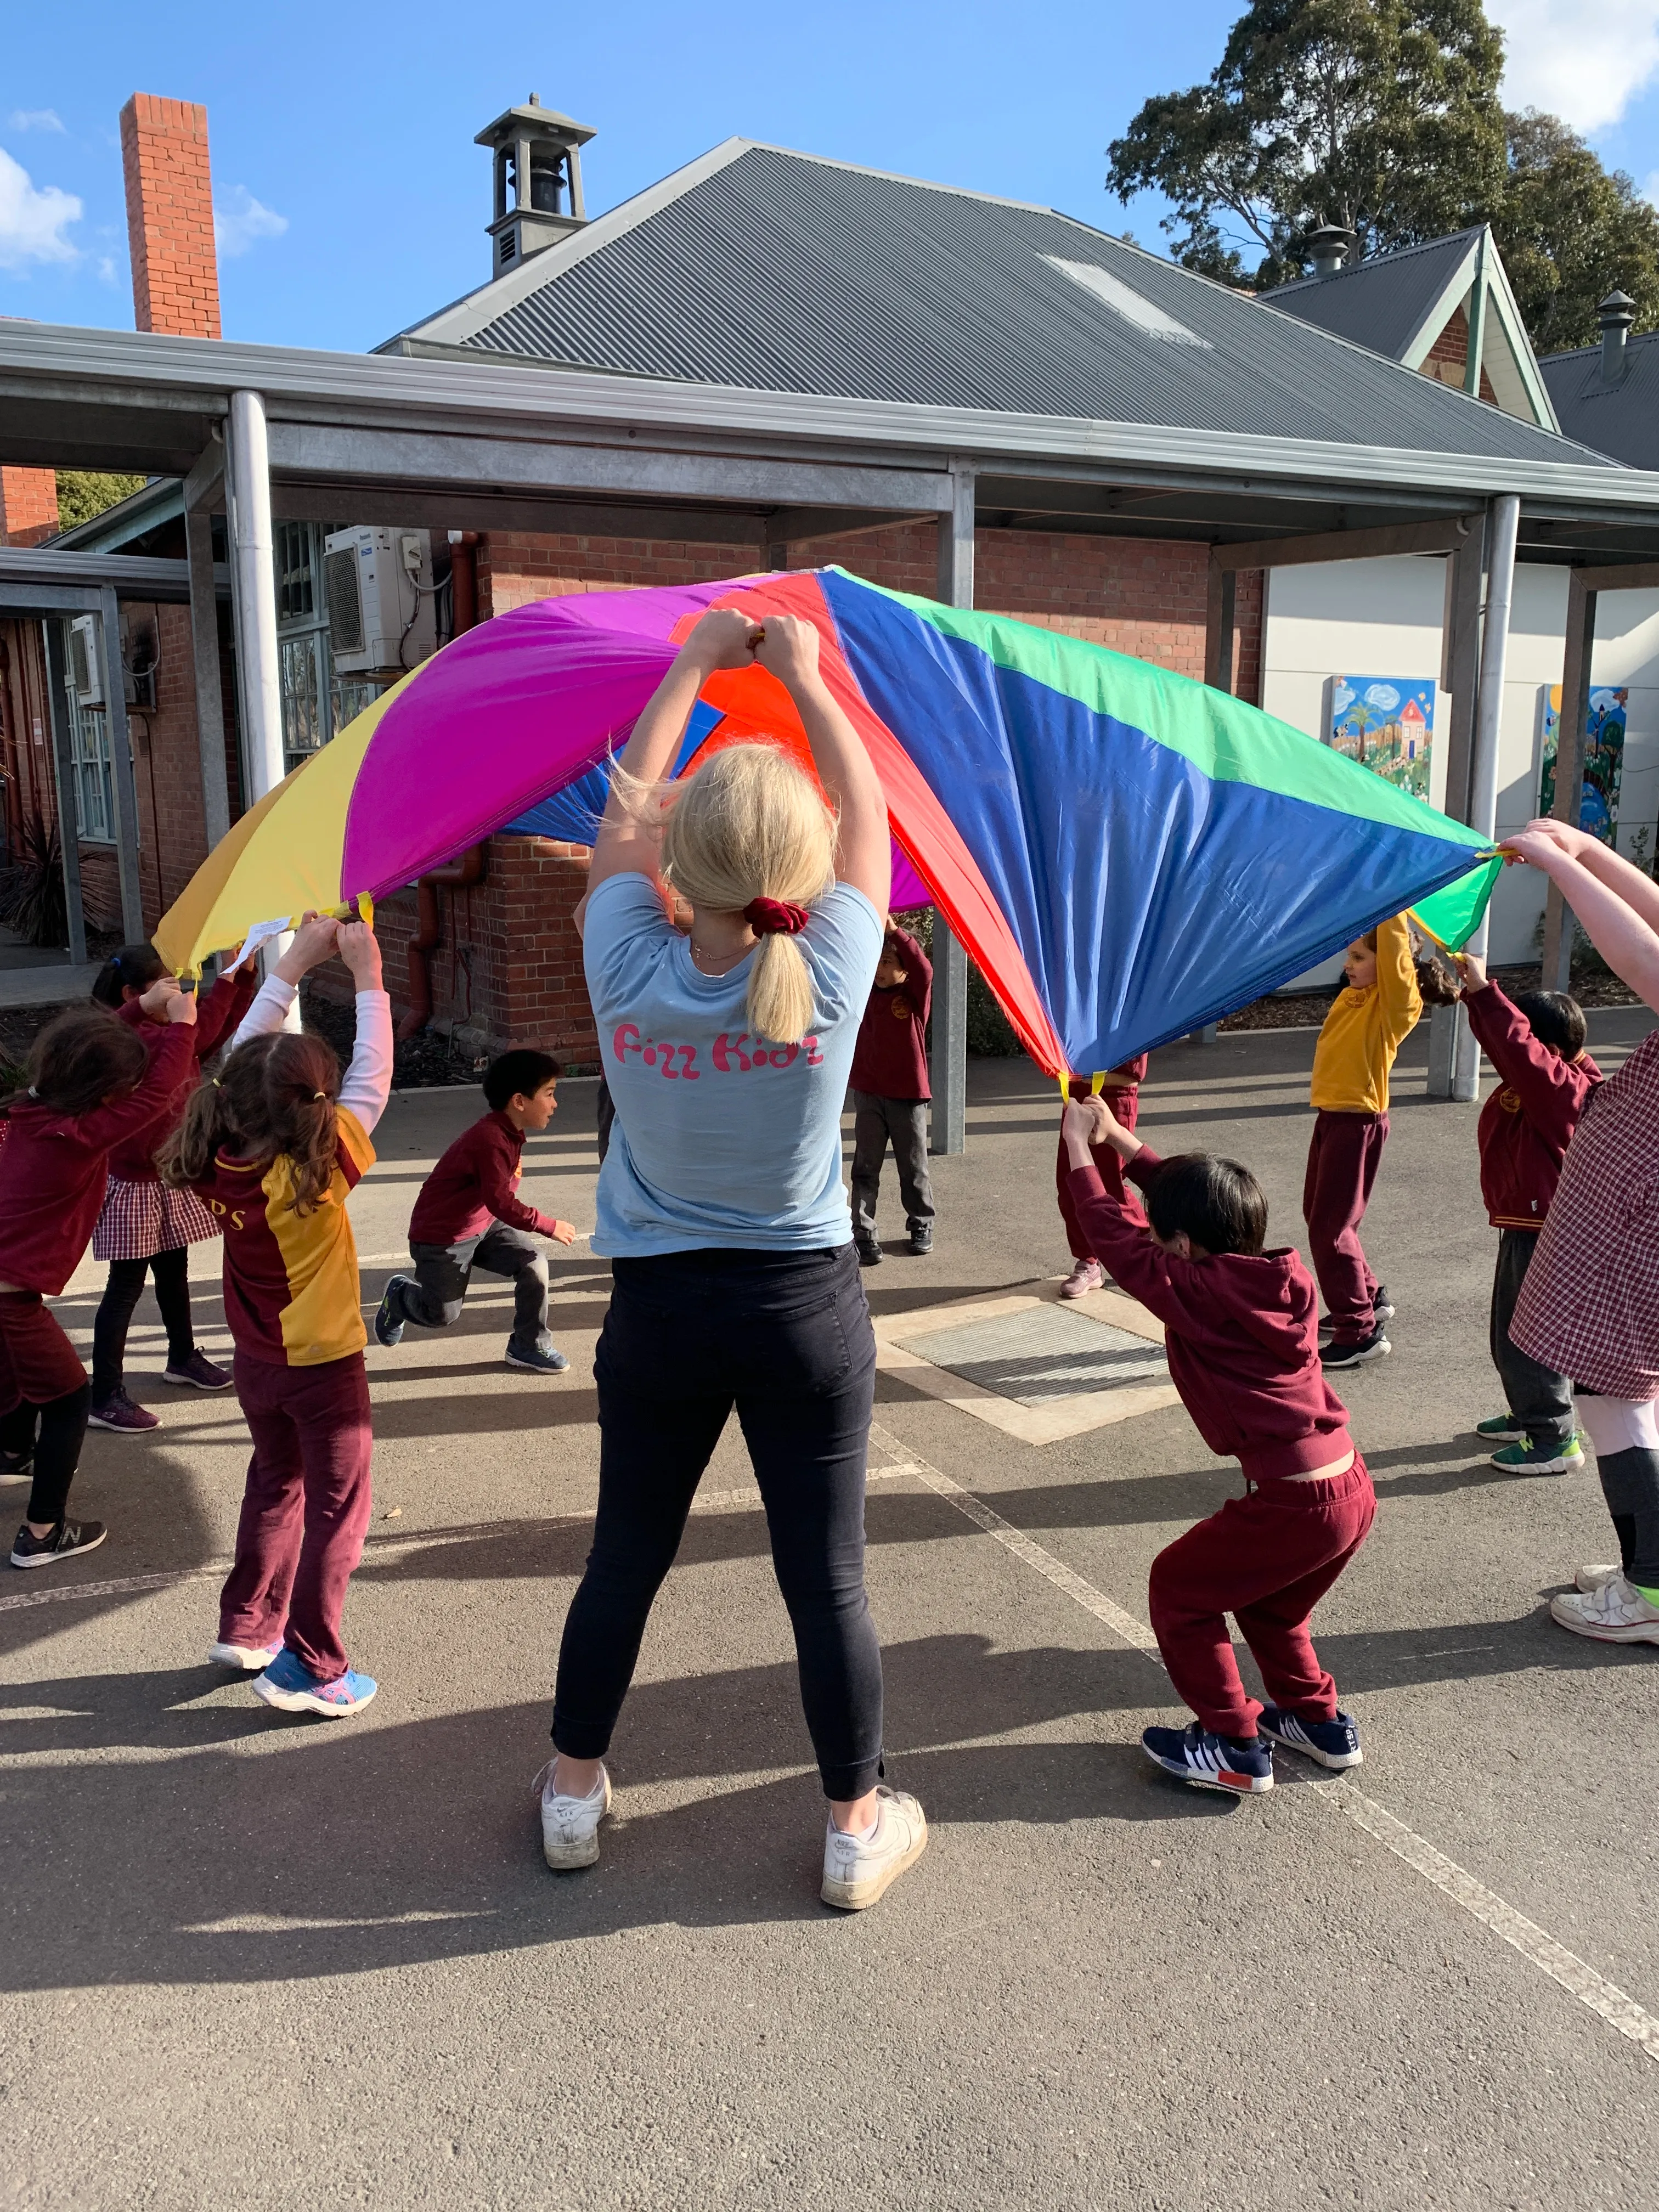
<point x="1383" y="618"/>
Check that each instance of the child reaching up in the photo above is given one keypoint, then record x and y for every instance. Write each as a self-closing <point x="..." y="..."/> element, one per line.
<point x="1240" y="1334"/>
<point x="272" y="1147"/>
<point x="890" y="1094"/>
<point x="469" y="1215"/>
<point x="1544" y="1077"/>
<point x="1369" y="1021"/>
<point x="92" y="1084"/>
<point x="1122" y="1085"/>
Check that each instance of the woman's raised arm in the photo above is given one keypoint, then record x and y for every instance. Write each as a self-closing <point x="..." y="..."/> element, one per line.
<point x="1613" y="903"/>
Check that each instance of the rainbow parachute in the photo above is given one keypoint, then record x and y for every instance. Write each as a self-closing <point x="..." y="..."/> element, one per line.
<point x="1127" y="854"/>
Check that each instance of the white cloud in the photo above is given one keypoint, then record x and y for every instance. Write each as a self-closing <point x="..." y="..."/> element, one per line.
<point x="1584" y="60"/>
<point x="32" y="218"/>
<point x="34" y="119"/>
<point x="239" y="221"/>
<point x="107" y="269"/>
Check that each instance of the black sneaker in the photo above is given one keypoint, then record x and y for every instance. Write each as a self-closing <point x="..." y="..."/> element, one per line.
<point x="388" y="1316"/>
<point x="62" y="1542"/>
<point x="869" y="1251"/>
<point x="1381" y="1306"/>
<point x="549" y="1362"/>
<point x="921" y="1239"/>
<point x="1374" y="1347"/>
<point x="16" y="1464"/>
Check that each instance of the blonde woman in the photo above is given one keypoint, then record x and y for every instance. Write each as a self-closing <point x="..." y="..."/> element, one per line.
<point x="722" y="1207"/>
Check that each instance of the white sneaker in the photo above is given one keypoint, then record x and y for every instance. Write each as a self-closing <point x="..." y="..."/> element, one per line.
<point x="1616" y="1612"/>
<point x="1595" y="1578"/>
<point x="570" y="1825"/>
<point x="245" y="1658"/>
<point x="1087" y="1275"/>
<point x="857" y="1869"/>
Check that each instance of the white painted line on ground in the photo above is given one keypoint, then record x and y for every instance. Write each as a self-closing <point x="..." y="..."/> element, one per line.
<point x="1602" y="1996"/>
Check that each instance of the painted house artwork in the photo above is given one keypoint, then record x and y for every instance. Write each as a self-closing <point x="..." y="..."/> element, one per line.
<point x="1386" y="723"/>
<point x="1604" y="758"/>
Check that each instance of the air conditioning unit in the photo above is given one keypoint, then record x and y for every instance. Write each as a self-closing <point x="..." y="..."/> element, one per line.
<point x="86" y="664"/>
<point x="378" y="587"/>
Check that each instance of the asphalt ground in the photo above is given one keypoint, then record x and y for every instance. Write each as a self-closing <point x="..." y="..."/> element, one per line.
<point x="251" y="1961"/>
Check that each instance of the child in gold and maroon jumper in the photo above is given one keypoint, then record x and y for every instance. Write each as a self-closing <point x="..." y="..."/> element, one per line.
<point x="1241" y="1334"/>
<point x="890" y="1094"/>
<point x="1122" y="1089"/>
<point x="1545" y="1079"/>
<point x="91" y="1085"/>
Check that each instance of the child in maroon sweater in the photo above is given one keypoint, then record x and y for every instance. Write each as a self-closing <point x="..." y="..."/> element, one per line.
<point x="1240" y="1332"/>
<point x="469" y="1215"/>
<point x="92" y="1084"/>
<point x="1536" y="1043"/>
<point x="890" y="1094"/>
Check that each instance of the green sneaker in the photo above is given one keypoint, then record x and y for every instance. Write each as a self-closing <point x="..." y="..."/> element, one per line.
<point x="1500" y="1426"/>
<point x="1527" y="1458"/>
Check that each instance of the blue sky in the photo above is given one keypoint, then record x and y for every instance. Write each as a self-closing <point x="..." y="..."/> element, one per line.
<point x="353" y="200"/>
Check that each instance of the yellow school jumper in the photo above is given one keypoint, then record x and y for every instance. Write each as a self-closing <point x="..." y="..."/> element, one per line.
<point x="1364" y="1030"/>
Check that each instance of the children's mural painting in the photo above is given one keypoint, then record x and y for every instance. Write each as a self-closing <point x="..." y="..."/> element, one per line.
<point x="1604" y="758"/>
<point x="1386" y="723"/>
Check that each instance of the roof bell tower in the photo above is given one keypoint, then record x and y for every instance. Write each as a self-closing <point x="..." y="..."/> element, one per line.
<point x="538" y="181"/>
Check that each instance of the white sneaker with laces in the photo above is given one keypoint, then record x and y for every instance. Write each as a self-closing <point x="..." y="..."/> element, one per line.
<point x="570" y="1825"/>
<point x="1595" y="1578"/>
<point x="857" y="1869"/>
<point x="1616" y="1612"/>
<point x="1087" y="1275"/>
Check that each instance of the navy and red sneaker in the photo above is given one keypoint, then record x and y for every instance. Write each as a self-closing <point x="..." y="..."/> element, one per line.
<point x="1333" y="1743"/>
<point x="1208" y="1761"/>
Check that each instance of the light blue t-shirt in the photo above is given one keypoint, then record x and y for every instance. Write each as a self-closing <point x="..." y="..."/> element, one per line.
<point x="720" y="1141"/>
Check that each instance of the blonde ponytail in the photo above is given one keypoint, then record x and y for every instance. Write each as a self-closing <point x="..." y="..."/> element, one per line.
<point x="750" y="825"/>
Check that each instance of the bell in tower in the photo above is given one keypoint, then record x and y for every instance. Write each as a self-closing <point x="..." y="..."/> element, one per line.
<point x="538" y="181"/>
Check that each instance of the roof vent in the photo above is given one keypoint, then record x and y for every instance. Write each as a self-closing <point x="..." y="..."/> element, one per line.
<point x="1615" y="314"/>
<point x="1329" y="248"/>
<point x="538" y="181"/>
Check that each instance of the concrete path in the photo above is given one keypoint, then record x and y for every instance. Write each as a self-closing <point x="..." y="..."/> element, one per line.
<point x="249" y="1962"/>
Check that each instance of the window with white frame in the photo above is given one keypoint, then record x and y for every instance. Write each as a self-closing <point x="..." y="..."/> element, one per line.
<point x="93" y="792"/>
<point x="317" y="703"/>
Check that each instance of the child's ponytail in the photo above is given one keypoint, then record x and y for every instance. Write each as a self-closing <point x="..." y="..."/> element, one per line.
<point x="301" y="1086"/>
<point x="227" y="1110"/>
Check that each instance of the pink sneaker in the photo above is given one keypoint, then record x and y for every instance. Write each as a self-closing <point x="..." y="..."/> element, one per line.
<point x="1087" y="1275"/>
<point x="118" y="1411"/>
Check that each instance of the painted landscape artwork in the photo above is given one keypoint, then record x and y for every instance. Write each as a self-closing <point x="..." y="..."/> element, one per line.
<point x="1387" y="724"/>
<point x="1604" y="758"/>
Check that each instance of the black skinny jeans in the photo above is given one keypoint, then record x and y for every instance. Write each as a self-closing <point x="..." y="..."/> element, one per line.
<point x="119" y="1302"/>
<point x="785" y="1337"/>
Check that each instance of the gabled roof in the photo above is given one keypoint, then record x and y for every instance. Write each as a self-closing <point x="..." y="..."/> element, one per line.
<point x="766" y="269"/>
<point x="1621" y="420"/>
<point x="1399" y="303"/>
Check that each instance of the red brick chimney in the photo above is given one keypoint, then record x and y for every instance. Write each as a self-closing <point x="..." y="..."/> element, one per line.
<point x="175" y="270"/>
<point x="29" y="505"/>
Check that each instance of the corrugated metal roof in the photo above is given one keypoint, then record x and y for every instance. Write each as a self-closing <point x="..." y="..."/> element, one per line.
<point x="1380" y="303"/>
<point x="1623" y="422"/>
<point x="778" y="271"/>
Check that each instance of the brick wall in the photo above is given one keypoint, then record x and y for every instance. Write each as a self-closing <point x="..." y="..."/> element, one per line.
<point x="166" y="754"/>
<point x="175" y="268"/>
<point x="1448" y="358"/>
<point x="29" y="505"/>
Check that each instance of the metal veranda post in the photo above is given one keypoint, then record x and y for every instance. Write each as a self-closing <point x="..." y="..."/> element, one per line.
<point x="253" y="601"/>
<point x="949" y="1070"/>
<point x="1460" y="675"/>
<point x="1568" y="801"/>
<point x="210" y="698"/>
<point x="69" y="804"/>
<point x="124" y="785"/>
<point x="1483" y="767"/>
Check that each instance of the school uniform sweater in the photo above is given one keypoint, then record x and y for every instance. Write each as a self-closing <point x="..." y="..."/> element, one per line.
<point x="476" y="1182"/>
<point x="1527" y="1124"/>
<point x="219" y="1012"/>
<point x="54" y="1169"/>
<point x="1366" y="1029"/>
<point x="1241" y="1334"/>
<point x="889" y="1060"/>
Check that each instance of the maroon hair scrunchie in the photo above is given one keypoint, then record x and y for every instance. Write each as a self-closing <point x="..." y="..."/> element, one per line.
<point x="775" y="917"/>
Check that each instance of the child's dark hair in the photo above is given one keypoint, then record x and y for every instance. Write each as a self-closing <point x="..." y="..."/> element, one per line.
<point x="274" y="1096"/>
<point x="134" y="967"/>
<point x="1554" y="1018"/>
<point x="1217" y="1203"/>
<point x="80" y="1060"/>
<point x="519" y="1073"/>
<point x="1437" y="985"/>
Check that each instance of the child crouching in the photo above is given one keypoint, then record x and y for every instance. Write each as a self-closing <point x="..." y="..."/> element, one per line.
<point x="272" y="1147"/>
<point x="1242" y="1338"/>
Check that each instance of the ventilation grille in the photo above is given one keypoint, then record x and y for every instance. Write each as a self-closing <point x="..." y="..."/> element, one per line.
<point x="345" y="601"/>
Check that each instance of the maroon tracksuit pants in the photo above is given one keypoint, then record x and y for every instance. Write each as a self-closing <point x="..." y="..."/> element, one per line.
<point x="1343" y="1157"/>
<point x="1125" y="1105"/>
<point x="1267" y="1558"/>
<point x="306" y="1509"/>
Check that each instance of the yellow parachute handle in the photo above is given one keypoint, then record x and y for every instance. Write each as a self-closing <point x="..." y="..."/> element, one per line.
<point x="1097" y="1083"/>
<point x="1065" y="1083"/>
